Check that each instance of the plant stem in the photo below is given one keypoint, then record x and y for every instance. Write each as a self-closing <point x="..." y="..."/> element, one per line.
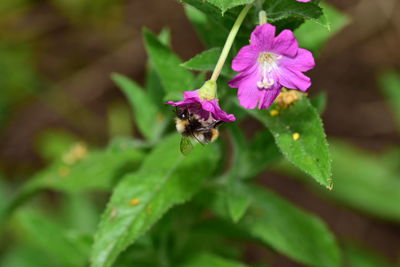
<point x="229" y="42"/>
<point x="262" y="16"/>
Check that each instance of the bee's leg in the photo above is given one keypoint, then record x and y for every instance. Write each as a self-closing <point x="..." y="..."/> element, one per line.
<point x="214" y="124"/>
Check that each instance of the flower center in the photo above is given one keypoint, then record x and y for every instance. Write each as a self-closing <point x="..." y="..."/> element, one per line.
<point x="268" y="64"/>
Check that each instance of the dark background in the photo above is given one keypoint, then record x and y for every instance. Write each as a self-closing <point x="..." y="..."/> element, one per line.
<point x="73" y="54"/>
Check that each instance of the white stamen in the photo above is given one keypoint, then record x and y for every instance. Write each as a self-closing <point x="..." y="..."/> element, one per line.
<point x="268" y="61"/>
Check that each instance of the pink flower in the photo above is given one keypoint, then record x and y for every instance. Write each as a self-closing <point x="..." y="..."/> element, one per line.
<point x="204" y="108"/>
<point x="304" y="1"/>
<point x="268" y="64"/>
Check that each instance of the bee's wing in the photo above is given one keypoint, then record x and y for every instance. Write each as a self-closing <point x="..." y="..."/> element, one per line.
<point x="186" y="145"/>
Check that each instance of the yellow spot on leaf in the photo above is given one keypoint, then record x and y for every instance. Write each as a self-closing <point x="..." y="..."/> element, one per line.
<point x="134" y="202"/>
<point x="160" y="117"/>
<point x="63" y="171"/>
<point x="114" y="213"/>
<point x="76" y="153"/>
<point x="296" y="136"/>
<point x="274" y="112"/>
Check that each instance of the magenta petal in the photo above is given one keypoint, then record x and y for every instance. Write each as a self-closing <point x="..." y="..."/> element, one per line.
<point x="268" y="97"/>
<point x="294" y="79"/>
<point x="191" y="94"/>
<point x="303" y="61"/>
<point x="203" y="108"/>
<point x="285" y="44"/>
<point x="246" y="57"/>
<point x="249" y="94"/>
<point x="263" y="37"/>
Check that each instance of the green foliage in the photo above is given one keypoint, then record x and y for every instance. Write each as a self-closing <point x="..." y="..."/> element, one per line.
<point x="312" y="36"/>
<point x="208" y="259"/>
<point x="224" y="5"/>
<point x="174" y="78"/>
<point x="370" y="185"/>
<point x="211" y="33"/>
<point x="291" y="14"/>
<point x="147" y="116"/>
<point x="77" y="172"/>
<point x="69" y="248"/>
<point x="174" y="202"/>
<point x="310" y="151"/>
<point x="206" y="61"/>
<point x="289" y="230"/>
<point x="356" y="256"/>
<point x="140" y="199"/>
<point x="390" y="85"/>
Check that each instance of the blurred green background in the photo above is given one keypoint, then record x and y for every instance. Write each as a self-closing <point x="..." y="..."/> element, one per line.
<point x="56" y="60"/>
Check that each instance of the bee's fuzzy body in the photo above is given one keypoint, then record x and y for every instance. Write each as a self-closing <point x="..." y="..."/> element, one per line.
<point x="191" y="125"/>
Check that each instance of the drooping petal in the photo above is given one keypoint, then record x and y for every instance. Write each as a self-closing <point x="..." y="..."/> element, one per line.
<point x="263" y="37"/>
<point x="285" y="44"/>
<point x="303" y="61"/>
<point x="246" y="58"/>
<point x="204" y="108"/>
<point x="294" y="79"/>
<point x="268" y="96"/>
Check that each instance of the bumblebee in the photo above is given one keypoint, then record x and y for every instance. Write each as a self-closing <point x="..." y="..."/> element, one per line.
<point x="192" y="125"/>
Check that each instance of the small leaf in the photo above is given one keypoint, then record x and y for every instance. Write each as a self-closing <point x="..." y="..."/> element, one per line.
<point x="390" y="85"/>
<point x="140" y="199"/>
<point x="173" y="77"/>
<point x="147" y="115"/>
<point x="224" y="5"/>
<point x="207" y="259"/>
<point x="238" y="199"/>
<point x="300" y="136"/>
<point x="289" y="11"/>
<point x="291" y="231"/>
<point x="206" y="61"/>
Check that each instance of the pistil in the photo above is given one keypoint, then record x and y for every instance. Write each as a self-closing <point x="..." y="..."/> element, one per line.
<point x="268" y="61"/>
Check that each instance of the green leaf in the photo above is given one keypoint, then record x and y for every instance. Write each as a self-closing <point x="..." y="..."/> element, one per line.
<point x="310" y="151"/>
<point x="355" y="256"/>
<point x="208" y="259"/>
<point x="390" y="85"/>
<point x="291" y="231"/>
<point x="119" y="119"/>
<point x="68" y="247"/>
<point x="371" y="184"/>
<point x="319" y="102"/>
<point x="292" y="13"/>
<point x="147" y="116"/>
<point x="140" y="199"/>
<point x="51" y="144"/>
<point x="224" y="5"/>
<point x="312" y="36"/>
<point x="238" y="199"/>
<point x="173" y="77"/>
<point x="212" y="34"/>
<point x="97" y="170"/>
<point x="206" y="61"/>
